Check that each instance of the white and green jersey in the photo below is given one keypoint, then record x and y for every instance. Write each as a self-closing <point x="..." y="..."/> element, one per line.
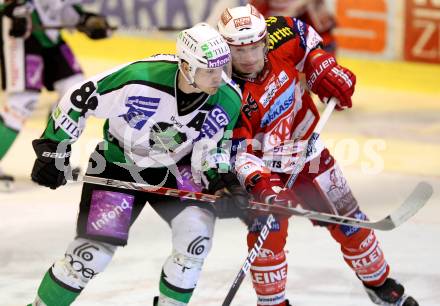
<point x="144" y="125"/>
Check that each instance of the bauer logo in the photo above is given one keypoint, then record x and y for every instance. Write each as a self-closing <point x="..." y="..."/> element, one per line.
<point x="317" y="72"/>
<point x="56" y="154"/>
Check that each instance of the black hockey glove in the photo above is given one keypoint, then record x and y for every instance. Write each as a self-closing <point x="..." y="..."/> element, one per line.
<point x="94" y="26"/>
<point x="19" y="27"/>
<point x="19" y="13"/>
<point x="50" y="154"/>
<point x="233" y="200"/>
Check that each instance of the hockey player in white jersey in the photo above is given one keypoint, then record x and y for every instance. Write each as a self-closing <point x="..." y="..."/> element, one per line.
<point x="167" y="120"/>
<point x="34" y="55"/>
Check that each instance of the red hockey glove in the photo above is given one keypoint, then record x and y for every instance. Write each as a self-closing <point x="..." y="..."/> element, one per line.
<point x="271" y="190"/>
<point x="327" y="79"/>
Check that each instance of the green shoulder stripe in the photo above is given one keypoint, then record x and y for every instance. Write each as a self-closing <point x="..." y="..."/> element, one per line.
<point x="156" y="74"/>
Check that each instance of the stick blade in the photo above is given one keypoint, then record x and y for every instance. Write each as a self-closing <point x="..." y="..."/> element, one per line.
<point x="415" y="201"/>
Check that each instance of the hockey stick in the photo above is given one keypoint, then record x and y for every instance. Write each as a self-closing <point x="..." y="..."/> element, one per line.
<point x="263" y="235"/>
<point x="412" y="204"/>
<point x="188" y="195"/>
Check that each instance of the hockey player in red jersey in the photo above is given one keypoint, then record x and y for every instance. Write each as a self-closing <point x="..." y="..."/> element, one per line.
<point x="278" y="116"/>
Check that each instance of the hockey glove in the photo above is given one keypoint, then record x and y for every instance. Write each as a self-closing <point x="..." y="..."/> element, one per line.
<point x="19" y="12"/>
<point x="327" y="79"/>
<point x="270" y="190"/>
<point x="233" y="200"/>
<point x="94" y="26"/>
<point x="51" y="156"/>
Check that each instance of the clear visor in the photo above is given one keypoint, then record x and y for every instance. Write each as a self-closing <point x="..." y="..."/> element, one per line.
<point x="213" y="77"/>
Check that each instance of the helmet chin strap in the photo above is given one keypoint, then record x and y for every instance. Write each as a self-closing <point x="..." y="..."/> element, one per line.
<point x="190" y="79"/>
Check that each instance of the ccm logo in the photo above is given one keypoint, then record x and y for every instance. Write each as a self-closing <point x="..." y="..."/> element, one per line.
<point x="56" y="155"/>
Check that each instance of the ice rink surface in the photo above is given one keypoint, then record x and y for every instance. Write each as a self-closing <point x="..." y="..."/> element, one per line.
<point x="399" y="121"/>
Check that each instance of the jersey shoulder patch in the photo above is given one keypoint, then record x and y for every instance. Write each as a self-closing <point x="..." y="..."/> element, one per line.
<point x="279" y="31"/>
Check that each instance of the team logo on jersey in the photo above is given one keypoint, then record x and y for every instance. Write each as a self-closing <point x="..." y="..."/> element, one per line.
<point x="164" y="137"/>
<point x="281" y="132"/>
<point x="273" y="87"/>
<point x="139" y="110"/>
<point x="281" y="105"/>
<point x="216" y="119"/>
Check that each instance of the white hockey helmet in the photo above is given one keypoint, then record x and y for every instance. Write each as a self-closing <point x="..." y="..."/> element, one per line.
<point x="201" y="47"/>
<point x="242" y="25"/>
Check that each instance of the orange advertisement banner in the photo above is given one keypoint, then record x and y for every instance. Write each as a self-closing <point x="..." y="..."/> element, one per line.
<point x="422" y="30"/>
<point x="362" y="25"/>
